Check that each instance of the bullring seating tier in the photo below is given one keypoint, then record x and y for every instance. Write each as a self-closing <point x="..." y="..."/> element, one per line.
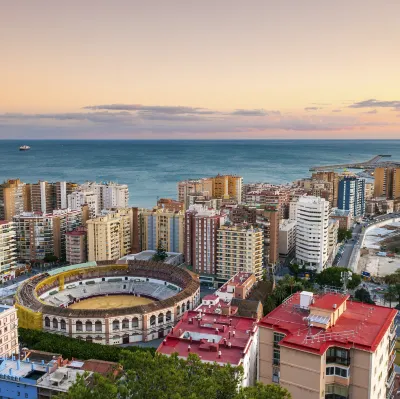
<point x="28" y="296"/>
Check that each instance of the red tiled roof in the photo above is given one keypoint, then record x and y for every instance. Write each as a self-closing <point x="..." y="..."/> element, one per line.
<point x="211" y="297"/>
<point x="205" y="340"/>
<point x="328" y="301"/>
<point x="236" y="281"/>
<point x="368" y="324"/>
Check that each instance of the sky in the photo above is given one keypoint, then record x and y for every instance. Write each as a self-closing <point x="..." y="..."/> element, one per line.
<point x="191" y="69"/>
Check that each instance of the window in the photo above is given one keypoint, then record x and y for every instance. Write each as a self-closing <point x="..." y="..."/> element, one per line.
<point x="89" y="326"/>
<point x="277" y="357"/>
<point x="55" y="323"/>
<point x="338" y="355"/>
<point x="79" y="326"/>
<point x="160" y="318"/>
<point x="153" y="320"/>
<point x="338" y="371"/>
<point x="115" y="325"/>
<point x="135" y="322"/>
<point x="125" y="323"/>
<point x="98" y="326"/>
<point x="169" y="315"/>
<point x="277" y="338"/>
<point x="63" y="324"/>
<point x="46" y="322"/>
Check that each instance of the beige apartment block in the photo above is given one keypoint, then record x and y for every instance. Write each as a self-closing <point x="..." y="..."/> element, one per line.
<point x="8" y="250"/>
<point x="8" y="331"/>
<point x="239" y="249"/>
<point x="110" y="235"/>
<point x="387" y="182"/>
<point x="326" y="346"/>
<point x="14" y="198"/>
<point x="76" y="246"/>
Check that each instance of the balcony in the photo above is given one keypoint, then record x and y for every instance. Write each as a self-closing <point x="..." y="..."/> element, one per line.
<point x="391" y="360"/>
<point x="390" y="379"/>
<point x="389" y="392"/>
<point x="392" y="345"/>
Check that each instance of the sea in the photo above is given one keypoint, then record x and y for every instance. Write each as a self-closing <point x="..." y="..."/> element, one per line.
<point x="152" y="168"/>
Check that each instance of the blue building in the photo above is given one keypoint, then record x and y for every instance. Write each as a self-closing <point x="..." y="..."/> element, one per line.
<point x="351" y="195"/>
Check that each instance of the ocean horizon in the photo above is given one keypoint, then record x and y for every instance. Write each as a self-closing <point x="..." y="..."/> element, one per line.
<point x="152" y="168"/>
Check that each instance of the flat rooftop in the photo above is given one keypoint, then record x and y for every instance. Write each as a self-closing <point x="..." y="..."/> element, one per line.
<point x="61" y="379"/>
<point x="360" y="325"/>
<point x="237" y="280"/>
<point x="214" y="333"/>
<point x="147" y="255"/>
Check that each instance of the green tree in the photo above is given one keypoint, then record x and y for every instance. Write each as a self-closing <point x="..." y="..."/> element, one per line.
<point x="332" y="277"/>
<point x="391" y="295"/>
<point x="260" y="391"/>
<point x="160" y="254"/>
<point x="269" y="305"/>
<point x="50" y="258"/>
<point x="295" y="269"/>
<point x="344" y="234"/>
<point x="363" y="295"/>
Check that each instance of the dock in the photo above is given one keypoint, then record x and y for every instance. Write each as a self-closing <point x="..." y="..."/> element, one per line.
<point x="373" y="163"/>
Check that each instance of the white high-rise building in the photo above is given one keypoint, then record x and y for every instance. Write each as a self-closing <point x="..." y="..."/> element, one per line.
<point x="79" y="198"/>
<point x="8" y="250"/>
<point x="312" y="217"/>
<point x="99" y="196"/>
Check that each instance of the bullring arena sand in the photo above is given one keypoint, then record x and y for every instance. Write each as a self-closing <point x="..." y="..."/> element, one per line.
<point x="110" y="302"/>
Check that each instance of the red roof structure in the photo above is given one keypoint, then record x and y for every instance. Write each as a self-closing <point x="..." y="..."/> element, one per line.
<point x="360" y="325"/>
<point x="214" y="338"/>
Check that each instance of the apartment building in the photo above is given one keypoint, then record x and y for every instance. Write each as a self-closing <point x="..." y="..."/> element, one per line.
<point x="331" y="177"/>
<point x="77" y="199"/>
<point x="46" y="197"/>
<point x="369" y="190"/>
<point x="318" y="188"/>
<point x="39" y="234"/>
<point x="312" y="218"/>
<point x="227" y="187"/>
<point x="287" y="237"/>
<point x="14" y="198"/>
<point x="279" y="196"/>
<point x="200" y="241"/>
<point x="344" y="218"/>
<point x="351" y="196"/>
<point x="216" y="338"/>
<point x="8" y="250"/>
<point x="327" y="346"/>
<point x="8" y="331"/>
<point x="333" y="229"/>
<point x="239" y="249"/>
<point x="387" y="182"/>
<point x="266" y="217"/>
<point x="160" y="226"/>
<point x="109" y="236"/>
<point x="170" y="204"/>
<point x="109" y="195"/>
<point x="76" y="245"/>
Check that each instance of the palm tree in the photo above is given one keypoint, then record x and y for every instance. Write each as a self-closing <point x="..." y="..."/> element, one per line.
<point x="390" y="295"/>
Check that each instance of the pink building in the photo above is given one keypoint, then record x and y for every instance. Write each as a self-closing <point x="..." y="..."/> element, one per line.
<point x="76" y="246"/>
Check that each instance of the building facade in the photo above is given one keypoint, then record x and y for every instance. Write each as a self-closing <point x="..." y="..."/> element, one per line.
<point x="351" y="196"/>
<point x="76" y="246"/>
<point x="8" y="250"/>
<point x="14" y="198"/>
<point x="287" y="237"/>
<point x="319" y="347"/>
<point x="331" y="177"/>
<point x="8" y="331"/>
<point x="312" y="218"/>
<point x="77" y="199"/>
<point x="40" y="234"/>
<point x="239" y="249"/>
<point x="109" y="237"/>
<point x="387" y="182"/>
<point x="344" y="218"/>
<point x="201" y="227"/>
<point x="162" y="227"/>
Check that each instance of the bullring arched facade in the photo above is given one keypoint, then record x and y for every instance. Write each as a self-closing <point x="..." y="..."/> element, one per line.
<point x="109" y="326"/>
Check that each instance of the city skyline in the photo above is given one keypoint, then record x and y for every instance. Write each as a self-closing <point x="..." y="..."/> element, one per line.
<point x="191" y="70"/>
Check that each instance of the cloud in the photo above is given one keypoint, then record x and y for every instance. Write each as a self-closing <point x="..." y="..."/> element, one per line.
<point x="322" y="104"/>
<point x="373" y="103"/>
<point x="174" y="110"/>
<point x="373" y="111"/>
<point x="336" y="110"/>
<point x="312" y="109"/>
<point x="254" y="112"/>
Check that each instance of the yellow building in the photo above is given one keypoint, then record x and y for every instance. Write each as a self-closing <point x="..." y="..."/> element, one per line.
<point x="239" y="249"/>
<point x="162" y="226"/>
<point x="109" y="236"/>
<point x="387" y="182"/>
<point x="14" y="199"/>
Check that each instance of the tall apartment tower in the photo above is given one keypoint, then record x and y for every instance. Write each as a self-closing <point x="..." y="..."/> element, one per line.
<point x="8" y="333"/>
<point x="312" y="217"/>
<point x="77" y="199"/>
<point x="76" y="246"/>
<point x="330" y="347"/>
<point x="332" y="177"/>
<point x="40" y="234"/>
<point x="266" y="217"/>
<point x="387" y="182"/>
<point x="160" y="226"/>
<point x="46" y="197"/>
<point x="201" y="227"/>
<point x="8" y="250"/>
<point x="14" y="199"/>
<point x="351" y="195"/>
<point x="109" y="236"/>
<point x="239" y="249"/>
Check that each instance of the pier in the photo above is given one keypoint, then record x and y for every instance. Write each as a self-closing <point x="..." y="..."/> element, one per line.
<point x="370" y="164"/>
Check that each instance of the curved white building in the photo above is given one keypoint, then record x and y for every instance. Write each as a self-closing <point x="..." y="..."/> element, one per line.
<point x="312" y="217"/>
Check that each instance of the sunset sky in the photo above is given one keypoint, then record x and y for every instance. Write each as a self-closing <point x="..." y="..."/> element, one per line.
<point x="197" y="69"/>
